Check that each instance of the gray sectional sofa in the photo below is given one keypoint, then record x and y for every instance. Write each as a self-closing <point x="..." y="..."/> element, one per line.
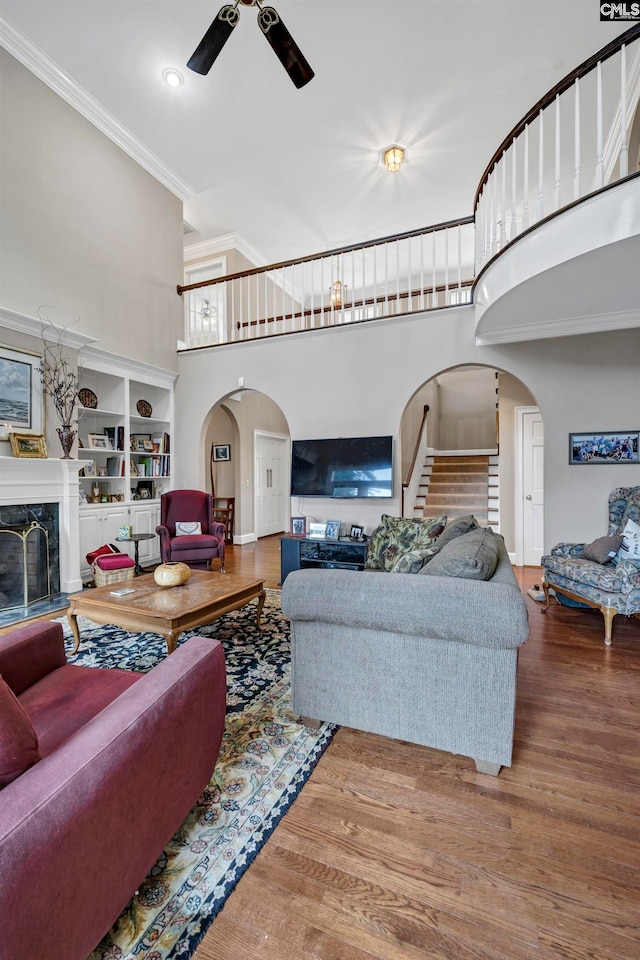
<point x="429" y="657"/>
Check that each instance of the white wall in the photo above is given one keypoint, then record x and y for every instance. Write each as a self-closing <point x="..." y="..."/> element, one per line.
<point x="467" y="409"/>
<point x="580" y="383"/>
<point x="84" y="231"/>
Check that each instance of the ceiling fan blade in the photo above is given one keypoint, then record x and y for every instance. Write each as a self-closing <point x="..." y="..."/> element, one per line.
<point x="214" y="39"/>
<point x="285" y="47"/>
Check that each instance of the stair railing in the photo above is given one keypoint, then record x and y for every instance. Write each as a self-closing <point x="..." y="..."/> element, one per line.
<point x="411" y="480"/>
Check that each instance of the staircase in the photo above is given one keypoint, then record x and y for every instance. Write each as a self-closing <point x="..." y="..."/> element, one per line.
<point x="457" y="485"/>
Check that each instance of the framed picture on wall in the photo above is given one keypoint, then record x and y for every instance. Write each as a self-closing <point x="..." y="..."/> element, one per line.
<point x="221" y="451"/>
<point x="614" y="446"/>
<point x="21" y="394"/>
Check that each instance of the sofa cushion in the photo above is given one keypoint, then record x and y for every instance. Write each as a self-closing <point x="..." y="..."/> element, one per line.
<point x="602" y="550"/>
<point x="472" y="556"/>
<point x="18" y="741"/>
<point x="395" y="536"/>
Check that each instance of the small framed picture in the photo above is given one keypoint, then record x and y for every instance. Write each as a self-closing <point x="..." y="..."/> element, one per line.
<point x="616" y="446"/>
<point x="317" y="531"/>
<point x="298" y="526"/>
<point x="356" y="532"/>
<point x="99" y="441"/>
<point x="333" y="530"/>
<point x="28" y="445"/>
<point x="221" y="451"/>
<point x="89" y="469"/>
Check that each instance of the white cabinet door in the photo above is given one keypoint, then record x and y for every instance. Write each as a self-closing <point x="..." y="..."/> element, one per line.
<point x="99" y="525"/>
<point x="143" y="520"/>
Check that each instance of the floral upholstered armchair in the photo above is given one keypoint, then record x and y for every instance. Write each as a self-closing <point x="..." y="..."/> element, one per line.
<point x="610" y="583"/>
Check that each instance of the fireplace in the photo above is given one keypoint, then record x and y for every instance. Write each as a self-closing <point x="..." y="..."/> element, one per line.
<point x="39" y="532"/>
<point x="29" y="554"/>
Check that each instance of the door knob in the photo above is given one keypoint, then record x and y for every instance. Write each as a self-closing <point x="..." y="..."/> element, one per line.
<point x="528" y="497"/>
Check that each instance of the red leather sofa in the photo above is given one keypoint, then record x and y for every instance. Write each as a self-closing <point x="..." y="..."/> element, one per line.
<point x="121" y="758"/>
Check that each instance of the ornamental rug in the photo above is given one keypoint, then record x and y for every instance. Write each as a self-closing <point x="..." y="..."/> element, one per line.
<point x="265" y="758"/>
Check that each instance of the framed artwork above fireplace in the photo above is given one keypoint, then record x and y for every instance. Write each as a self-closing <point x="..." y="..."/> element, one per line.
<point x="21" y="395"/>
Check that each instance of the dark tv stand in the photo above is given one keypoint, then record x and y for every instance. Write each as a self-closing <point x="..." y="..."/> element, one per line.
<point x="299" y="553"/>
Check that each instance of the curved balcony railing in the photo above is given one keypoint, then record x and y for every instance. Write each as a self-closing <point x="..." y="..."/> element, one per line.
<point x="574" y="142"/>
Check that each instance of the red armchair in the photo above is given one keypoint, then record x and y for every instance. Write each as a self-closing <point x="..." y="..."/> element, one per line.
<point x="195" y="549"/>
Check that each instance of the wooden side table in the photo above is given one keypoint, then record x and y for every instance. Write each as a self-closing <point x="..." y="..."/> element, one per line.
<point x="135" y="539"/>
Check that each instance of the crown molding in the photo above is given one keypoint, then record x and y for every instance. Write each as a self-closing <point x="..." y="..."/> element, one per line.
<point x="135" y="369"/>
<point x="227" y="241"/>
<point x="33" y="327"/>
<point x="563" y="327"/>
<point x="35" y="60"/>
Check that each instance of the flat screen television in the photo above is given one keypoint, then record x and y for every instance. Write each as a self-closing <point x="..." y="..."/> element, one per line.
<point x="345" y="467"/>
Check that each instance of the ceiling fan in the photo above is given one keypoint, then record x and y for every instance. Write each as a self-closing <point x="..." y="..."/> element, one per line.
<point x="284" y="46"/>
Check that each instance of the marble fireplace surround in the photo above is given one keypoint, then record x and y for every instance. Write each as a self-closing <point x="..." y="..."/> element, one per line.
<point x="26" y="480"/>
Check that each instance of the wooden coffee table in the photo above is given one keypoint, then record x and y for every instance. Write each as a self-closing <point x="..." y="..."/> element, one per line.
<point x="167" y="611"/>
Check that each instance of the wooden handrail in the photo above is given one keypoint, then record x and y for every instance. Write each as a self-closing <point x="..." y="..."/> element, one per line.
<point x="416" y="449"/>
<point x="604" y="54"/>
<point x="436" y="228"/>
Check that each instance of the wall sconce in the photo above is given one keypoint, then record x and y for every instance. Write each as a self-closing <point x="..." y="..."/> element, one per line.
<point x="393" y="157"/>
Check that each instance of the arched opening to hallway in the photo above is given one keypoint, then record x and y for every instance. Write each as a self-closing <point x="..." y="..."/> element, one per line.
<point x="252" y="429"/>
<point x="478" y="413"/>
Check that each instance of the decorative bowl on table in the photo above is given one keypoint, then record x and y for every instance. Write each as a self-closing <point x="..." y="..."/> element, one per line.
<point x="171" y="574"/>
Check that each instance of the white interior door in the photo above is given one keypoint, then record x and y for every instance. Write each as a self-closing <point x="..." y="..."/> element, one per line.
<point x="271" y="482"/>
<point x="531" y="492"/>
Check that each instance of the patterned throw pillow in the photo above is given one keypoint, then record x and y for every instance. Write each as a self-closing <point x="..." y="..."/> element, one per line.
<point x="18" y="743"/>
<point x="186" y="528"/>
<point x="630" y="549"/>
<point x="396" y="536"/>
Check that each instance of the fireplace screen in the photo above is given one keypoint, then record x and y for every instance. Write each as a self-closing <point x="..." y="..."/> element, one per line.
<point x="28" y="559"/>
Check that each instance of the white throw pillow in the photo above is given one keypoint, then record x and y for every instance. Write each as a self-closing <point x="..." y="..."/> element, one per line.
<point x="630" y="549"/>
<point x="185" y="528"/>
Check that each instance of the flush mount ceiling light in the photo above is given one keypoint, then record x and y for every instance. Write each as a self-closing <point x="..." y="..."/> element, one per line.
<point x="393" y="157"/>
<point x="283" y="44"/>
<point x="172" y="76"/>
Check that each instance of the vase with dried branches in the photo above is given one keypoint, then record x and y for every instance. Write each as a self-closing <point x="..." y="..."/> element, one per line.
<point x="60" y="383"/>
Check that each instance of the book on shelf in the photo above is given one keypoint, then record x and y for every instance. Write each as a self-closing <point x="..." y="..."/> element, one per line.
<point x="160" y="443"/>
<point x="115" y="466"/>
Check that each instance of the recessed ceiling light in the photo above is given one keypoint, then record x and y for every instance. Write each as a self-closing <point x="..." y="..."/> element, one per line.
<point x="172" y="76"/>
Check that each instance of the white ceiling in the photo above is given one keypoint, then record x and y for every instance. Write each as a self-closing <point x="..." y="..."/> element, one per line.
<point x="294" y="172"/>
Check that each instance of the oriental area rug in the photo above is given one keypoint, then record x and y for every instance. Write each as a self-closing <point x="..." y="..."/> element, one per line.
<point x="265" y="758"/>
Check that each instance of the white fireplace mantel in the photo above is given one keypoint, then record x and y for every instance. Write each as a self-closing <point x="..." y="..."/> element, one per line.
<point x="32" y="480"/>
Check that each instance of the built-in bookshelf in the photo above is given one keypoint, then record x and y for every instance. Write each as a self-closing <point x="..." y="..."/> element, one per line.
<point x="124" y="432"/>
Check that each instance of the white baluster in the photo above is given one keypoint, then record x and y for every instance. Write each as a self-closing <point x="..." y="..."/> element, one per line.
<point x="459" y="229"/>
<point x="503" y="202"/>
<point x="624" y="143"/>
<point x="556" y="187"/>
<point x="599" y="145"/>
<point x="434" y="292"/>
<point x="576" y="137"/>
<point x="410" y="297"/>
<point x="513" y="228"/>
<point x="446" y="268"/>
<point x="541" y="168"/>
<point x="525" y="204"/>
<point x="422" y="271"/>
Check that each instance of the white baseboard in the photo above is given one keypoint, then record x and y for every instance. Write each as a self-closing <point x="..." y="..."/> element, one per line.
<point x="512" y="557"/>
<point x="245" y="538"/>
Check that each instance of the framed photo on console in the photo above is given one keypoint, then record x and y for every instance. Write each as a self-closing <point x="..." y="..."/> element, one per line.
<point x="298" y="526"/>
<point x="333" y="530"/>
<point x="356" y="532"/>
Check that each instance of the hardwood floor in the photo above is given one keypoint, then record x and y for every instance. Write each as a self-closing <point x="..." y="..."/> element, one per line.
<point x="397" y="852"/>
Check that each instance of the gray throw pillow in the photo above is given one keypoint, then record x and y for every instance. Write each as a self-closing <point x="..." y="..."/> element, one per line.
<point x="472" y="556"/>
<point x="602" y="550"/>
<point x="456" y="528"/>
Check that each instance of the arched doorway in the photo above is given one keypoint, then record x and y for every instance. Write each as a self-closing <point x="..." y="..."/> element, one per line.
<point x="252" y="429"/>
<point x="474" y="409"/>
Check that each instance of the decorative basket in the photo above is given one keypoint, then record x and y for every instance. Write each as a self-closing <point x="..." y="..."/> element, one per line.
<point x="104" y="577"/>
